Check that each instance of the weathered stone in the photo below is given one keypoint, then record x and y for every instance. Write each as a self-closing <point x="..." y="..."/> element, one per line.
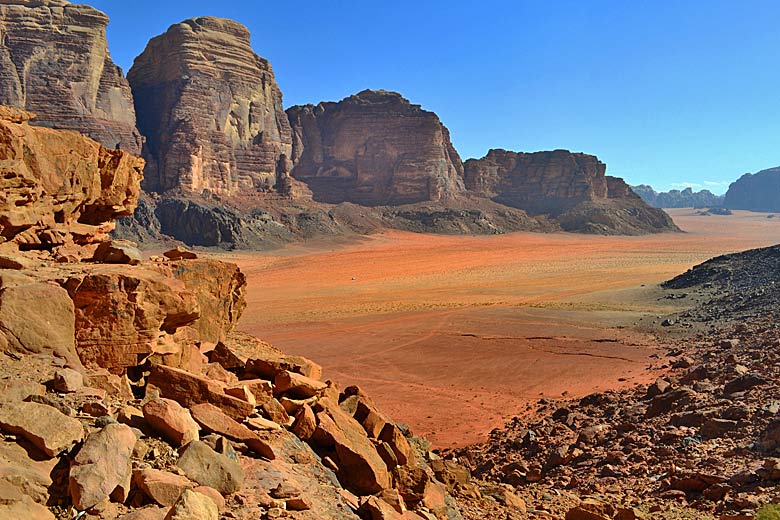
<point x="172" y="421"/>
<point x="69" y="79"/>
<point x="67" y="380"/>
<point x="361" y="469"/>
<point x="123" y="317"/>
<point x="297" y="385"/>
<point x="47" y="428"/>
<point x="38" y="318"/>
<point x="374" y="148"/>
<point x="210" y="108"/>
<point x="189" y="390"/>
<point x="193" y="506"/>
<point x="24" y="507"/>
<point x="146" y="513"/>
<point x="180" y="253"/>
<point x="209" y="468"/>
<point x="161" y="486"/>
<point x="61" y="187"/>
<point x="305" y="423"/>
<point x="755" y="191"/>
<point x="212" y="419"/>
<point x="29" y="477"/>
<point x="118" y="252"/>
<point x="102" y="464"/>
<point x="377" y="509"/>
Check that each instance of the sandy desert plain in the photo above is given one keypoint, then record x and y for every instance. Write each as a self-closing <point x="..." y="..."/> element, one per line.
<point x="453" y="335"/>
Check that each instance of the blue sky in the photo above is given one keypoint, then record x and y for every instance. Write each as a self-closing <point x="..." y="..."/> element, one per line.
<point x="665" y="92"/>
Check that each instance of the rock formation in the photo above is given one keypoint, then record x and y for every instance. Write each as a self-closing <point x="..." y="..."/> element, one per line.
<point x="128" y="378"/>
<point x="54" y="61"/>
<point x="686" y="198"/>
<point x="60" y="188"/>
<point x="755" y="192"/>
<point x="210" y="109"/>
<point x="374" y="148"/>
<point x="571" y="187"/>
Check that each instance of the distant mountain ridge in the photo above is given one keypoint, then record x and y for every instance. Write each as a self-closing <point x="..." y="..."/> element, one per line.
<point x="686" y="198"/>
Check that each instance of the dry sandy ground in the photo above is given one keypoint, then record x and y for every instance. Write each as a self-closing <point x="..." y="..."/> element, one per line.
<point x="453" y="335"/>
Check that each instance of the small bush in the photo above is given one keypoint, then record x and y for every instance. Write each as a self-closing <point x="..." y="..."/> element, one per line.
<point x="768" y="512"/>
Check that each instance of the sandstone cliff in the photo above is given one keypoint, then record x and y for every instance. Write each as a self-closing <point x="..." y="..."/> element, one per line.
<point x="755" y="192"/>
<point x="54" y="61"/>
<point x="374" y="148"/>
<point x="569" y="187"/>
<point x="210" y="109"/>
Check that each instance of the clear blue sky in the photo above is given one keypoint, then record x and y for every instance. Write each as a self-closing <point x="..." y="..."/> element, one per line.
<point x="665" y="92"/>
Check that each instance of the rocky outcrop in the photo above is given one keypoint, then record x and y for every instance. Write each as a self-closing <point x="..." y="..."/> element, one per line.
<point x="374" y="148"/>
<point x="210" y="420"/>
<point x="755" y="192"/>
<point x="210" y="109"/>
<point x="60" y="188"/>
<point x="570" y="187"/>
<point x="686" y="198"/>
<point x="54" y="61"/>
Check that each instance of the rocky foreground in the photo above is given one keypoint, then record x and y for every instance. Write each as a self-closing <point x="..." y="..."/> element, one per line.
<point x="126" y="393"/>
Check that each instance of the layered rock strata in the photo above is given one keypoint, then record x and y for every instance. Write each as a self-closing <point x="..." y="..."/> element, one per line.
<point x="374" y="148"/>
<point x="210" y="109"/>
<point x="571" y="187"/>
<point x="54" y="61"/>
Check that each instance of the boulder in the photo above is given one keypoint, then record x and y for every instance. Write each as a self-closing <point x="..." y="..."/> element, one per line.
<point x="102" y="464"/>
<point x="67" y="380"/>
<point x="193" y="506"/>
<point x="172" y="421"/>
<point x="189" y="390"/>
<point x="45" y="427"/>
<point x="38" y="318"/>
<point x="209" y="468"/>
<point x="361" y="469"/>
<point x="180" y="253"/>
<point x="122" y="317"/>
<point x="161" y="486"/>
<point x="213" y="420"/>
<point x="297" y="385"/>
<point x="118" y="252"/>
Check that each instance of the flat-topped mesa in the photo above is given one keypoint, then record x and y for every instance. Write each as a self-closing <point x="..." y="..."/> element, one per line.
<point x="210" y="109"/>
<point x="60" y="188"/>
<point x="539" y="182"/>
<point x="570" y="187"/>
<point x="374" y="148"/>
<point x="54" y="61"/>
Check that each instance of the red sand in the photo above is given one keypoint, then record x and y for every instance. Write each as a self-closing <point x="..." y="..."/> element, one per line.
<point x="453" y="335"/>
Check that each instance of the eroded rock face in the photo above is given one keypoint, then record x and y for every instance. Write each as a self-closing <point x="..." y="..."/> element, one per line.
<point x="59" y="188"/>
<point x="540" y="182"/>
<point x="755" y="192"/>
<point x="54" y="61"/>
<point x="570" y="187"/>
<point x="374" y="148"/>
<point x="210" y="109"/>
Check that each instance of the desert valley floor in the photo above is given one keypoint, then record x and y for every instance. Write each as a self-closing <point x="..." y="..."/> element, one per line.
<point x="453" y="335"/>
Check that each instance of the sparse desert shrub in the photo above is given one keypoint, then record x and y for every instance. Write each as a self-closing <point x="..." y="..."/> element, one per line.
<point x="768" y="512"/>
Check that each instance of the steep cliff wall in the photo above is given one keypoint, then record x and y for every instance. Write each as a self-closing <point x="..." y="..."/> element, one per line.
<point x="54" y="61"/>
<point x="210" y="109"/>
<point x="755" y="192"/>
<point x="374" y="148"/>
